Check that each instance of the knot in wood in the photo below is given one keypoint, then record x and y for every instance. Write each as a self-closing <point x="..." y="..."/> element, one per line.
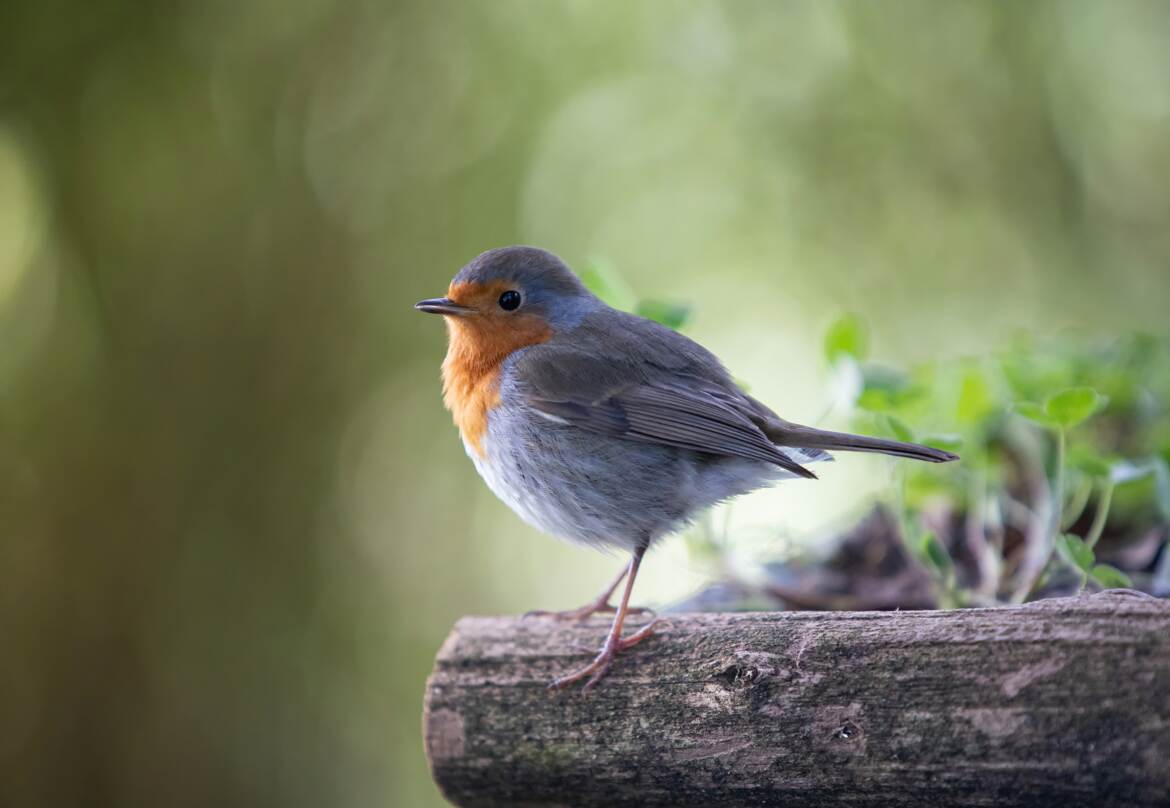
<point x="744" y="670"/>
<point x="739" y="675"/>
<point x="848" y="732"/>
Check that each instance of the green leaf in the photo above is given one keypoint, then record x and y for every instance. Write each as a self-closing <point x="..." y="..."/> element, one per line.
<point x="875" y="400"/>
<point x="846" y="336"/>
<point x="1075" y="551"/>
<point x="1070" y="407"/>
<point x="884" y="389"/>
<point x="671" y="315"/>
<point x="935" y="555"/>
<point x="899" y="429"/>
<point x="1162" y="486"/>
<point x="922" y="487"/>
<point x="1110" y="577"/>
<point x="1034" y="371"/>
<point x="1085" y="460"/>
<point x="948" y="442"/>
<point x="975" y="400"/>
<point x="1034" y="412"/>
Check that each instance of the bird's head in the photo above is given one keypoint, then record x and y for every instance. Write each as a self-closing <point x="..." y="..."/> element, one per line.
<point x="511" y="298"/>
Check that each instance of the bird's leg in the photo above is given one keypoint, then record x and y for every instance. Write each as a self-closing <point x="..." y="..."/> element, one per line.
<point x="614" y="642"/>
<point x="599" y="606"/>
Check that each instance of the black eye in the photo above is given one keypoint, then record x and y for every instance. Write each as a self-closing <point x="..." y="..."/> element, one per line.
<point x="510" y="300"/>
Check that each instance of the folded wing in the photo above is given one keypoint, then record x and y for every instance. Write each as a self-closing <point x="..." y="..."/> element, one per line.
<point x="694" y="416"/>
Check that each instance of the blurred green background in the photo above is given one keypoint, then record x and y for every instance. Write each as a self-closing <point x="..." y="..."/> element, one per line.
<point x="236" y="521"/>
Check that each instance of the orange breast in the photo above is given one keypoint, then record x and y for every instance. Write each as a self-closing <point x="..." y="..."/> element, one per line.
<point x="470" y="392"/>
<point x="476" y="350"/>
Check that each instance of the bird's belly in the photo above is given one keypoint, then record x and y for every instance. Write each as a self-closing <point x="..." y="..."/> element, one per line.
<point x="599" y="490"/>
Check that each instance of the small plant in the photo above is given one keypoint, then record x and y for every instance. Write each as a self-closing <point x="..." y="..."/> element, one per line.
<point x="1064" y="443"/>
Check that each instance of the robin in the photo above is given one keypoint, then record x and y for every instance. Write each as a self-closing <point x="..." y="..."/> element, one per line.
<point x="602" y="427"/>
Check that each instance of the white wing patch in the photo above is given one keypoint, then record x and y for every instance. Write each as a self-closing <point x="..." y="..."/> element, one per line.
<point x="806" y="456"/>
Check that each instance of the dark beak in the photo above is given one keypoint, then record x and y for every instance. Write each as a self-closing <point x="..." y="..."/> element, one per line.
<point x="443" y="305"/>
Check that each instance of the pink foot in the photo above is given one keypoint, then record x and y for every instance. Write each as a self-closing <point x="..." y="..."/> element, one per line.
<point x="600" y="665"/>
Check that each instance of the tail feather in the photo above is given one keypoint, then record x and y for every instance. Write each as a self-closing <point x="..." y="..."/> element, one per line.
<point x="806" y="437"/>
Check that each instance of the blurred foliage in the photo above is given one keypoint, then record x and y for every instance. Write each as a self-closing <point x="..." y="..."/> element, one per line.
<point x="1049" y="431"/>
<point x="608" y="284"/>
<point x="237" y="524"/>
<point x="1043" y="491"/>
<point x="847" y="337"/>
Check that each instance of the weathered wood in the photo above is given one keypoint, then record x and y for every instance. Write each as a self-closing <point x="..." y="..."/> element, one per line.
<point x="1062" y="702"/>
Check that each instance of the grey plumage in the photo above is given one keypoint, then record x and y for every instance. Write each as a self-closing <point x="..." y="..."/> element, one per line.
<point x="618" y="430"/>
<point x="618" y="392"/>
<point x="605" y="428"/>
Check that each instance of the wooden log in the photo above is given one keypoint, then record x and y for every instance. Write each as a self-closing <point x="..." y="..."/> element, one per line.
<point x="1061" y="702"/>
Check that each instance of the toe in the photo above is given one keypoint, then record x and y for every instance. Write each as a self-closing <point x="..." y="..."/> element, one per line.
<point x="594" y="670"/>
<point x="597" y="676"/>
<point x="639" y="635"/>
<point x="599" y="667"/>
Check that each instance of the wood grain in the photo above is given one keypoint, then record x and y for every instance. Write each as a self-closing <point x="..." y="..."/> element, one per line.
<point x="1061" y="702"/>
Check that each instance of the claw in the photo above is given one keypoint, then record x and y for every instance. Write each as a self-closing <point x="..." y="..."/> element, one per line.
<point x="614" y="642"/>
<point x="601" y="664"/>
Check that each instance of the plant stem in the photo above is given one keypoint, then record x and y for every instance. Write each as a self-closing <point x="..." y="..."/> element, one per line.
<point x="1054" y="519"/>
<point x="1078" y="503"/>
<point x="1057" y="504"/>
<point x="1098" y="526"/>
<point x="1058" y="489"/>
<point x="1102" y="514"/>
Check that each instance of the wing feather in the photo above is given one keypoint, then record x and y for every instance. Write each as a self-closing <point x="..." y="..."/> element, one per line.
<point x="631" y="378"/>
<point x="673" y="416"/>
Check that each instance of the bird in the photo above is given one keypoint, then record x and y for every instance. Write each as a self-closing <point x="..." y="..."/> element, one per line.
<point x="605" y="428"/>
